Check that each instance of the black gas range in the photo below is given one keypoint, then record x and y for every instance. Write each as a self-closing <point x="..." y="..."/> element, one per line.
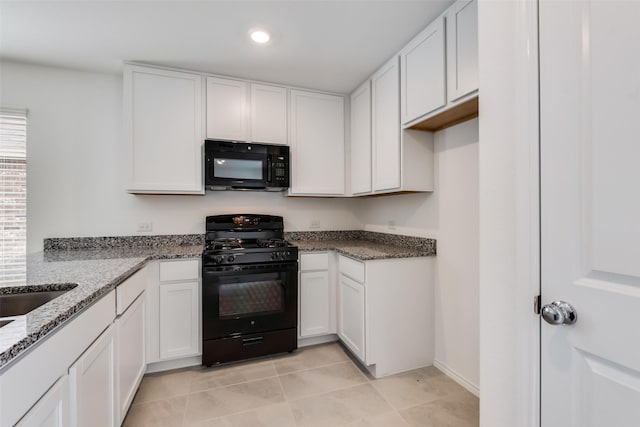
<point x="249" y="288"/>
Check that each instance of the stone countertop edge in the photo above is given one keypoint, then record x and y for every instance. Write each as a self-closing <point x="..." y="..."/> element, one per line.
<point x="362" y="251"/>
<point x="40" y="323"/>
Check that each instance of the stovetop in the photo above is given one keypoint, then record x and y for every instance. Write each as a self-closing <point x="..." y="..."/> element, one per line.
<point x="244" y="239"/>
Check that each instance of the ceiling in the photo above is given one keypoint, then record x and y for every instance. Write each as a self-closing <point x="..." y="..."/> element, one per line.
<point x="325" y="45"/>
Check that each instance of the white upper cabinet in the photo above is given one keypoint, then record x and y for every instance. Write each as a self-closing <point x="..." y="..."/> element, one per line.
<point x="361" y="140"/>
<point x="462" y="49"/>
<point x="226" y="109"/>
<point x="385" y="84"/>
<point x="163" y="130"/>
<point x="423" y="72"/>
<point x="268" y="114"/>
<point x="317" y="143"/>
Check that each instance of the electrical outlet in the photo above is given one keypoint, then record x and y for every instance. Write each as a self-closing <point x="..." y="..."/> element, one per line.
<point x="144" y="227"/>
<point x="392" y="225"/>
<point x="315" y="223"/>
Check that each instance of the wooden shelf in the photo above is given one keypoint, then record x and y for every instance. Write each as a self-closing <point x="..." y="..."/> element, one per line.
<point x="457" y="114"/>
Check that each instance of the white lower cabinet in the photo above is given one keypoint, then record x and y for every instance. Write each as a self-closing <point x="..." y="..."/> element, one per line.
<point x="386" y="312"/>
<point x="173" y="313"/>
<point x="92" y="384"/>
<point x="314" y="303"/>
<point x="130" y="355"/>
<point x="351" y="312"/>
<point x="179" y="320"/>
<point x="52" y="410"/>
<point x="317" y="295"/>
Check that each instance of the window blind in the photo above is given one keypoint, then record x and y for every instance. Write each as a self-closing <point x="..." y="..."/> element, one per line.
<point x="13" y="196"/>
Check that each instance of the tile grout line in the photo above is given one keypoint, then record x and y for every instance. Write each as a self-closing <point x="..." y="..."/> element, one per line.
<point x="286" y="401"/>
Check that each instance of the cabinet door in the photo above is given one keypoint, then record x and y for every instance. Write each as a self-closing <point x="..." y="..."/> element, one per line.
<point x="317" y="143"/>
<point x="130" y="358"/>
<point x="314" y="303"/>
<point x="386" y="126"/>
<point x="423" y="73"/>
<point x="361" y="139"/>
<point x="462" y="49"/>
<point x="52" y="410"/>
<point x="226" y="109"/>
<point x="179" y="320"/>
<point x="92" y="384"/>
<point x="268" y="114"/>
<point x="351" y="328"/>
<point x="163" y="128"/>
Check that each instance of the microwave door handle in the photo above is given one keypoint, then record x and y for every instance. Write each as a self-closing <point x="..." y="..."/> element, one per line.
<point x="269" y="169"/>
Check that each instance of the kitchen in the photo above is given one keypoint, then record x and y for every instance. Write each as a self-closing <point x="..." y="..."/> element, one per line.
<point x="80" y="133"/>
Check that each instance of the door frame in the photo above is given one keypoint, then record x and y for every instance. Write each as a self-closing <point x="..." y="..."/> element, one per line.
<point x="509" y="213"/>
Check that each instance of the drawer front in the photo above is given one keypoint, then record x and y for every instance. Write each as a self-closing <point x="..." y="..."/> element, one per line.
<point x="352" y="268"/>
<point x="179" y="270"/>
<point x="129" y="290"/>
<point x="310" y="262"/>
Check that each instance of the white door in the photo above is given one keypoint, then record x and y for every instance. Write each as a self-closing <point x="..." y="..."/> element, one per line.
<point x="314" y="303"/>
<point x="590" y="210"/>
<point x="52" y="410"/>
<point x="130" y="357"/>
<point x="92" y="384"/>
<point x="268" y="114"/>
<point x="317" y="143"/>
<point x="179" y="320"/>
<point x="385" y="126"/>
<point x="351" y="329"/>
<point x="361" y="139"/>
<point x="226" y="109"/>
<point x="163" y="131"/>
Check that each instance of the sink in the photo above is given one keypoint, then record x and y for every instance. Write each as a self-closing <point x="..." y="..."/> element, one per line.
<point x="20" y="303"/>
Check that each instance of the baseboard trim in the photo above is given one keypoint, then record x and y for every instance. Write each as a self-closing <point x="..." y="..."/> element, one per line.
<point x="305" y="342"/>
<point x="168" y="365"/>
<point x="474" y="389"/>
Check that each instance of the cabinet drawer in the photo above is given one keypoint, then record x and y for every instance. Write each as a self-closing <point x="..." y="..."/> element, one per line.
<point x="352" y="268"/>
<point x="179" y="270"/>
<point x="128" y="291"/>
<point x="310" y="262"/>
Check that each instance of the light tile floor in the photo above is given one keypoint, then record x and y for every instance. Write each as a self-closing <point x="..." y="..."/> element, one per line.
<point x="315" y="386"/>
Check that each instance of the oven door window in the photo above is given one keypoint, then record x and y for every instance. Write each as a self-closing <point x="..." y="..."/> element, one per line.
<point x="239" y="300"/>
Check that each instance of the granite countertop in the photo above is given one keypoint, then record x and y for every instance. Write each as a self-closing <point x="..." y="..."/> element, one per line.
<point x="363" y="250"/>
<point x="93" y="266"/>
<point x="363" y="245"/>
<point x="91" y="273"/>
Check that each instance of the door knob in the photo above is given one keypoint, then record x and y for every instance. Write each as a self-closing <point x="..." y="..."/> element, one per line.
<point x="559" y="313"/>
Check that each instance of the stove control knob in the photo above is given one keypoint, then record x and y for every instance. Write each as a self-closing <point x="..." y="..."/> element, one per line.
<point x="218" y="259"/>
<point x="281" y="255"/>
<point x="231" y="258"/>
<point x="274" y="255"/>
<point x="288" y="253"/>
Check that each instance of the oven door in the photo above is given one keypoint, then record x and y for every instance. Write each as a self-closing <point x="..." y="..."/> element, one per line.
<point x="244" y="299"/>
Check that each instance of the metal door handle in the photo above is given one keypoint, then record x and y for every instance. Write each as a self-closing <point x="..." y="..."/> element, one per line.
<point x="559" y="313"/>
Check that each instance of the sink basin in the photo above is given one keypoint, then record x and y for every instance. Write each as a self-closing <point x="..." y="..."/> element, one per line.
<point x="18" y="304"/>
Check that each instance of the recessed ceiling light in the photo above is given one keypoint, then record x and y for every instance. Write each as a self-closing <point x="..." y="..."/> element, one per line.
<point x="260" y="36"/>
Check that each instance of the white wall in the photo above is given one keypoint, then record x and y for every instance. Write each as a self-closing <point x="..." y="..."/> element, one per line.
<point x="450" y="214"/>
<point x="76" y="181"/>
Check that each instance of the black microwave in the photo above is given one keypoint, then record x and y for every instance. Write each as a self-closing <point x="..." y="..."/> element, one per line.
<point x="245" y="166"/>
